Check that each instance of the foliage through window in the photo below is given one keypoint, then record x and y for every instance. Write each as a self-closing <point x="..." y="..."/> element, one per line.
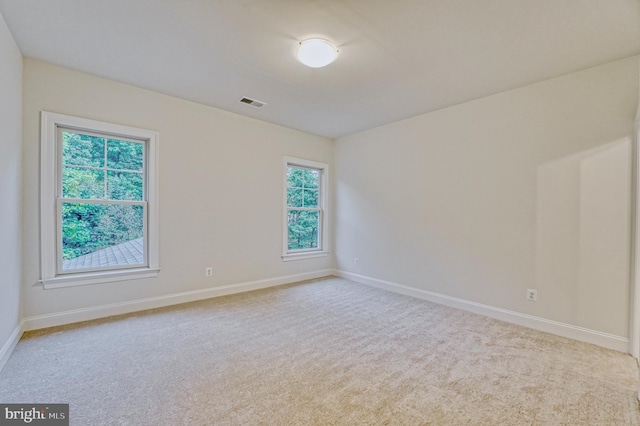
<point x="102" y="201"/>
<point x="305" y="199"/>
<point x="303" y="211"/>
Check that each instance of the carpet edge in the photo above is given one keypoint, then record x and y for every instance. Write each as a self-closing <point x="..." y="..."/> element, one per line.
<point x="102" y="311"/>
<point x="606" y="340"/>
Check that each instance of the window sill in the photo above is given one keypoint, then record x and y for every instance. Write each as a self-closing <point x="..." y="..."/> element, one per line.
<point x="73" y="280"/>
<point x="303" y="256"/>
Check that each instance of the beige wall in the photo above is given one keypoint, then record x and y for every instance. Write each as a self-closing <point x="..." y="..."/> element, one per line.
<point x="220" y="188"/>
<point x="525" y="189"/>
<point x="10" y="183"/>
<point x="529" y="188"/>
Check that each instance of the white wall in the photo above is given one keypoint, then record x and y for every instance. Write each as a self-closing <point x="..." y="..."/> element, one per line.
<point x="528" y="188"/>
<point x="10" y="184"/>
<point x="220" y="188"/>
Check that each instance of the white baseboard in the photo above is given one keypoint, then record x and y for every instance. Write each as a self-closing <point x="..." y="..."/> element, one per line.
<point x="67" y="317"/>
<point x="554" y="327"/>
<point x="85" y="314"/>
<point x="10" y="344"/>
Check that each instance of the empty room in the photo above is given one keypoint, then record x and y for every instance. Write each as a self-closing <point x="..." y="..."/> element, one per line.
<point x="319" y="212"/>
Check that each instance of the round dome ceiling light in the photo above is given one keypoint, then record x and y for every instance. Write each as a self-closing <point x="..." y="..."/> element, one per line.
<point x="316" y="52"/>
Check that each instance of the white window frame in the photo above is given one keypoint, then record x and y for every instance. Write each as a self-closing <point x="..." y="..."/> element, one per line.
<point x="323" y="202"/>
<point x="52" y="275"/>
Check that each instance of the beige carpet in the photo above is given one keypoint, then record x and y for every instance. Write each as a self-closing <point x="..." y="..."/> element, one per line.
<point x="319" y="353"/>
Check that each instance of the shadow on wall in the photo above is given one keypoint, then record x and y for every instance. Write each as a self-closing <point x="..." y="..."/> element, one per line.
<point x="583" y="232"/>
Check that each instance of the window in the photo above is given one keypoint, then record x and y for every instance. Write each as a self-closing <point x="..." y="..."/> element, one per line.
<point x="305" y="218"/>
<point x="98" y="202"/>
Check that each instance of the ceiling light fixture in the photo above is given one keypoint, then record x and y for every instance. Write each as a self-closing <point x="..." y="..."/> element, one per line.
<point x="316" y="52"/>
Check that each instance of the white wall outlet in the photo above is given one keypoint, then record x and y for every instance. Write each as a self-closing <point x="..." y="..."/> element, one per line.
<point x="532" y="294"/>
<point x="208" y="271"/>
<point x="356" y="261"/>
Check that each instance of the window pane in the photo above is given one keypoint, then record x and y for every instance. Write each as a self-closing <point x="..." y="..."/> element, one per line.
<point x="101" y="235"/>
<point x="295" y="177"/>
<point x="124" y="186"/>
<point x="310" y="198"/>
<point x="82" y="150"/>
<point x="124" y="155"/>
<point x="310" y="178"/>
<point x="79" y="182"/>
<point x="294" y="197"/>
<point x="303" y="229"/>
<point x="302" y="187"/>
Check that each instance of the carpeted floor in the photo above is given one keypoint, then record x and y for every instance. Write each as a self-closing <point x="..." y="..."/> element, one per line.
<point x="327" y="352"/>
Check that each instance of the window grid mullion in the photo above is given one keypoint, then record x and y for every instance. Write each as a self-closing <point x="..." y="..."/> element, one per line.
<point x="306" y="209"/>
<point x="104" y="169"/>
<point x="101" y="201"/>
<point x="111" y="169"/>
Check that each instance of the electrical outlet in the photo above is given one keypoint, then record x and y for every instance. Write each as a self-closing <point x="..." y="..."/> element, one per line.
<point x="356" y="261"/>
<point x="208" y="271"/>
<point x="532" y="294"/>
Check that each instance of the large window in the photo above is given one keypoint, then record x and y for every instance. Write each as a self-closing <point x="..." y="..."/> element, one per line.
<point x="305" y="226"/>
<point x="98" y="201"/>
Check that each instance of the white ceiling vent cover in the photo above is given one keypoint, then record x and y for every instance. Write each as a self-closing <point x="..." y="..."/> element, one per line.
<point x="253" y="102"/>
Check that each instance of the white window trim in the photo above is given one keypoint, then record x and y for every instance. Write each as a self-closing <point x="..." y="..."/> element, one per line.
<point x="49" y="168"/>
<point x="323" y="246"/>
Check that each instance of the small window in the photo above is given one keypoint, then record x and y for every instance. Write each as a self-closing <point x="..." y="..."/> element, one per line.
<point x="305" y="222"/>
<point x="99" y="218"/>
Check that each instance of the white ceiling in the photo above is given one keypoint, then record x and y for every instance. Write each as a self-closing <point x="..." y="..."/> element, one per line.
<point x="398" y="58"/>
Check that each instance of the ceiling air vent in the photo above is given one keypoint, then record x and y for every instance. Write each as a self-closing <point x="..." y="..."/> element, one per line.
<point x="253" y="102"/>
